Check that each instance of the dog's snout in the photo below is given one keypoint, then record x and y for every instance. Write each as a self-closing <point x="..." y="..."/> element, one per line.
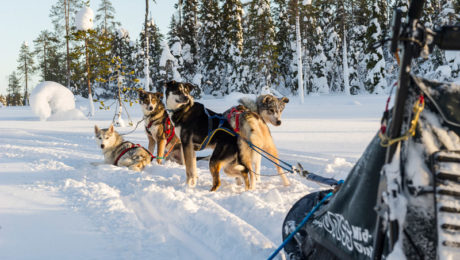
<point x="150" y="108"/>
<point x="102" y="146"/>
<point x="278" y="122"/>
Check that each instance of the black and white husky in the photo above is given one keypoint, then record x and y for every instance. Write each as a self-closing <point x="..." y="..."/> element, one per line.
<point x="193" y="123"/>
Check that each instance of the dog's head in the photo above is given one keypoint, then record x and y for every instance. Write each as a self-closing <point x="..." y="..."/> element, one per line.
<point x="105" y="138"/>
<point x="271" y="108"/>
<point x="150" y="101"/>
<point x="178" y="95"/>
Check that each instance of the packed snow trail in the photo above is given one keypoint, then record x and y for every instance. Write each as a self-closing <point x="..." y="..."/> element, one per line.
<point x="54" y="204"/>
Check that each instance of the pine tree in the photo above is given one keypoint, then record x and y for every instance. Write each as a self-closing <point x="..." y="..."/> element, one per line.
<point x="25" y="68"/>
<point x="375" y="81"/>
<point x="285" y="38"/>
<point x="189" y="37"/>
<point x="259" y="47"/>
<point x="13" y="97"/>
<point x="155" y="39"/>
<point x="105" y="17"/>
<point x="62" y="15"/>
<point x="209" y="42"/>
<point x="49" y="58"/>
<point x="232" y="47"/>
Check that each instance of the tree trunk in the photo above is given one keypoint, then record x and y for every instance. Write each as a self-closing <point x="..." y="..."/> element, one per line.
<point x="44" y="61"/>
<point x="299" y="54"/>
<point x="146" y="54"/>
<point x="346" y="77"/>
<point x="66" y="11"/>
<point x="88" y="75"/>
<point x="25" y="78"/>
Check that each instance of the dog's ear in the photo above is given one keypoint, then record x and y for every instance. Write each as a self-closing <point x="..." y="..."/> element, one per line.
<point x="141" y="93"/>
<point x="266" y="99"/>
<point x="96" y="129"/>
<point x="159" y="95"/>
<point x="170" y="83"/>
<point x="189" y="87"/>
<point x="284" y="99"/>
<point x="110" y="129"/>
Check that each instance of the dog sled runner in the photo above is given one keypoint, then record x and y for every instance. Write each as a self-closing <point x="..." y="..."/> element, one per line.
<point x="402" y="198"/>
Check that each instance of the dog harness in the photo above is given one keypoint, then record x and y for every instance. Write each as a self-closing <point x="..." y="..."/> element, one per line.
<point x="169" y="130"/>
<point x="235" y="112"/>
<point x="211" y="131"/>
<point x="129" y="148"/>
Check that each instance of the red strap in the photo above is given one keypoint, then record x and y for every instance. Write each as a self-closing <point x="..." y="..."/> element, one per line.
<point x="125" y="151"/>
<point x="169" y="130"/>
<point x="237" y="114"/>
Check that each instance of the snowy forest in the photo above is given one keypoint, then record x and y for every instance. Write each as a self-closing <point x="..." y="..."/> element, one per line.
<point x="225" y="46"/>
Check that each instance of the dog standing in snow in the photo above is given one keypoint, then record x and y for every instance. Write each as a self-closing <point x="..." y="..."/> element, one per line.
<point x="193" y="124"/>
<point x="252" y="127"/>
<point x="158" y="127"/>
<point x="119" y="152"/>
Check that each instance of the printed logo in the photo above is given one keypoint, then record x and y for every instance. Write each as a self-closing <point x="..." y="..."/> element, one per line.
<point x="351" y="237"/>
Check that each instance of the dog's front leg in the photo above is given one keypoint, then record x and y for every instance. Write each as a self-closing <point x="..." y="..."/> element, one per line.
<point x="161" y="150"/>
<point x="190" y="163"/>
<point x="151" y="144"/>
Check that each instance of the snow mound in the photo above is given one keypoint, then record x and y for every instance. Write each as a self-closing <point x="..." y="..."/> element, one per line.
<point x="84" y="19"/>
<point x="52" y="101"/>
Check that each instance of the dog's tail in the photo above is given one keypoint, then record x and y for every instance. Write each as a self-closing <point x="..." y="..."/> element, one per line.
<point x="249" y="103"/>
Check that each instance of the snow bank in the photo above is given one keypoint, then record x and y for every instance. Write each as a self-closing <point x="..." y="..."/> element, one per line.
<point x="84" y="19"/>
<point x="52" y="101"/>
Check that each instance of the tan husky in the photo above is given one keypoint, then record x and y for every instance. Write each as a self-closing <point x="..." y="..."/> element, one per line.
<point x="252" y="127"/>
<point x="119" y="152"/>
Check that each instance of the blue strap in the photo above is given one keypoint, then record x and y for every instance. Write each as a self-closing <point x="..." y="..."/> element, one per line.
<point x="299" y="226"/>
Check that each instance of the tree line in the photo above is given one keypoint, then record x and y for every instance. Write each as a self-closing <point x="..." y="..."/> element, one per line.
<point x="223" y="46"/>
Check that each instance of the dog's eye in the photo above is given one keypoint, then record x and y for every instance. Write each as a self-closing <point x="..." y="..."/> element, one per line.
<point x="272" y="111"/>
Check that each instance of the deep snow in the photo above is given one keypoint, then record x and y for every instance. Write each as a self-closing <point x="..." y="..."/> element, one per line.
<point x="55" y="205"/>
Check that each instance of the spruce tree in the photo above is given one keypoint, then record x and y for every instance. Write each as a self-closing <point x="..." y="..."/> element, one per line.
<point x="232" y="47"/>
<point x="259" y="48"/>
<point x="62" y="15"/>
<point x="25" y="68"/>
<point x="209" y="42"/>
<point x="189" y="37"/>
<point x="48" y="56"/>
<point x="375" y="81"/>
<point x="155" y="39"/>
<point x="13" y="97"/>
<point x="105" y="17"/>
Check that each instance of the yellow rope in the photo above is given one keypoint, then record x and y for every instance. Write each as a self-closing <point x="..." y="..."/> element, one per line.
<point x="212" y="135"/>
<point x="418" y="108"/>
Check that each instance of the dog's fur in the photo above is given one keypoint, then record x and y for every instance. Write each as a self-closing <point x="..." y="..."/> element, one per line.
<point x="267" y="106"/>
<point x="191" y="124"/>
<point x="155" y="115"/>
<point x="254" y="129"/>
<point x="112" y="145"/>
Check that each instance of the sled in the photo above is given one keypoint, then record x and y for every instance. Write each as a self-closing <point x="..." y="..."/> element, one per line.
<point x="401" y="198"/>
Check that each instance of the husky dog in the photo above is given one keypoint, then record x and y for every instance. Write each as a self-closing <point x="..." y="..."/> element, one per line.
<point x="119" y="152"/>
<point x="158" y="127"/>
<point x="193" y="124"/>
<point x="251" y="127"/>
<point x="267" y="106"/>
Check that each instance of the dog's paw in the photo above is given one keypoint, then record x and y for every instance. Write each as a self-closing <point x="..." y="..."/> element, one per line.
<point x="191" y="182"/>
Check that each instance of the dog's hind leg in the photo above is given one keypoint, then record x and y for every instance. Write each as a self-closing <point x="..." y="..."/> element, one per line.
<point x="214" y="168"/>
<point x="160" y="150"/>
<point x="190" y="163"/>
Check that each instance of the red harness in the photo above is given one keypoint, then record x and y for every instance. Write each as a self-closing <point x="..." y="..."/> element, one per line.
<point x="237" y="113"/>
<point x="169" y="130"/>
<point x="129" y="148"/>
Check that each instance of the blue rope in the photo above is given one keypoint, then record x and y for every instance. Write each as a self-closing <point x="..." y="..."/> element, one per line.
<point x="299" y="226"/>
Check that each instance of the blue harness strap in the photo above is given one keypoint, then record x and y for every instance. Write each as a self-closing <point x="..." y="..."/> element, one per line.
<point x="212" y="131"/>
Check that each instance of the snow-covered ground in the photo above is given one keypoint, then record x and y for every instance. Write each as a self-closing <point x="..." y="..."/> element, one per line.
<point x="55" y="205"/>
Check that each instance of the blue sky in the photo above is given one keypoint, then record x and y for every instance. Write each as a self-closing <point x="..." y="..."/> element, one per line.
<point x="22" y="20"/>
